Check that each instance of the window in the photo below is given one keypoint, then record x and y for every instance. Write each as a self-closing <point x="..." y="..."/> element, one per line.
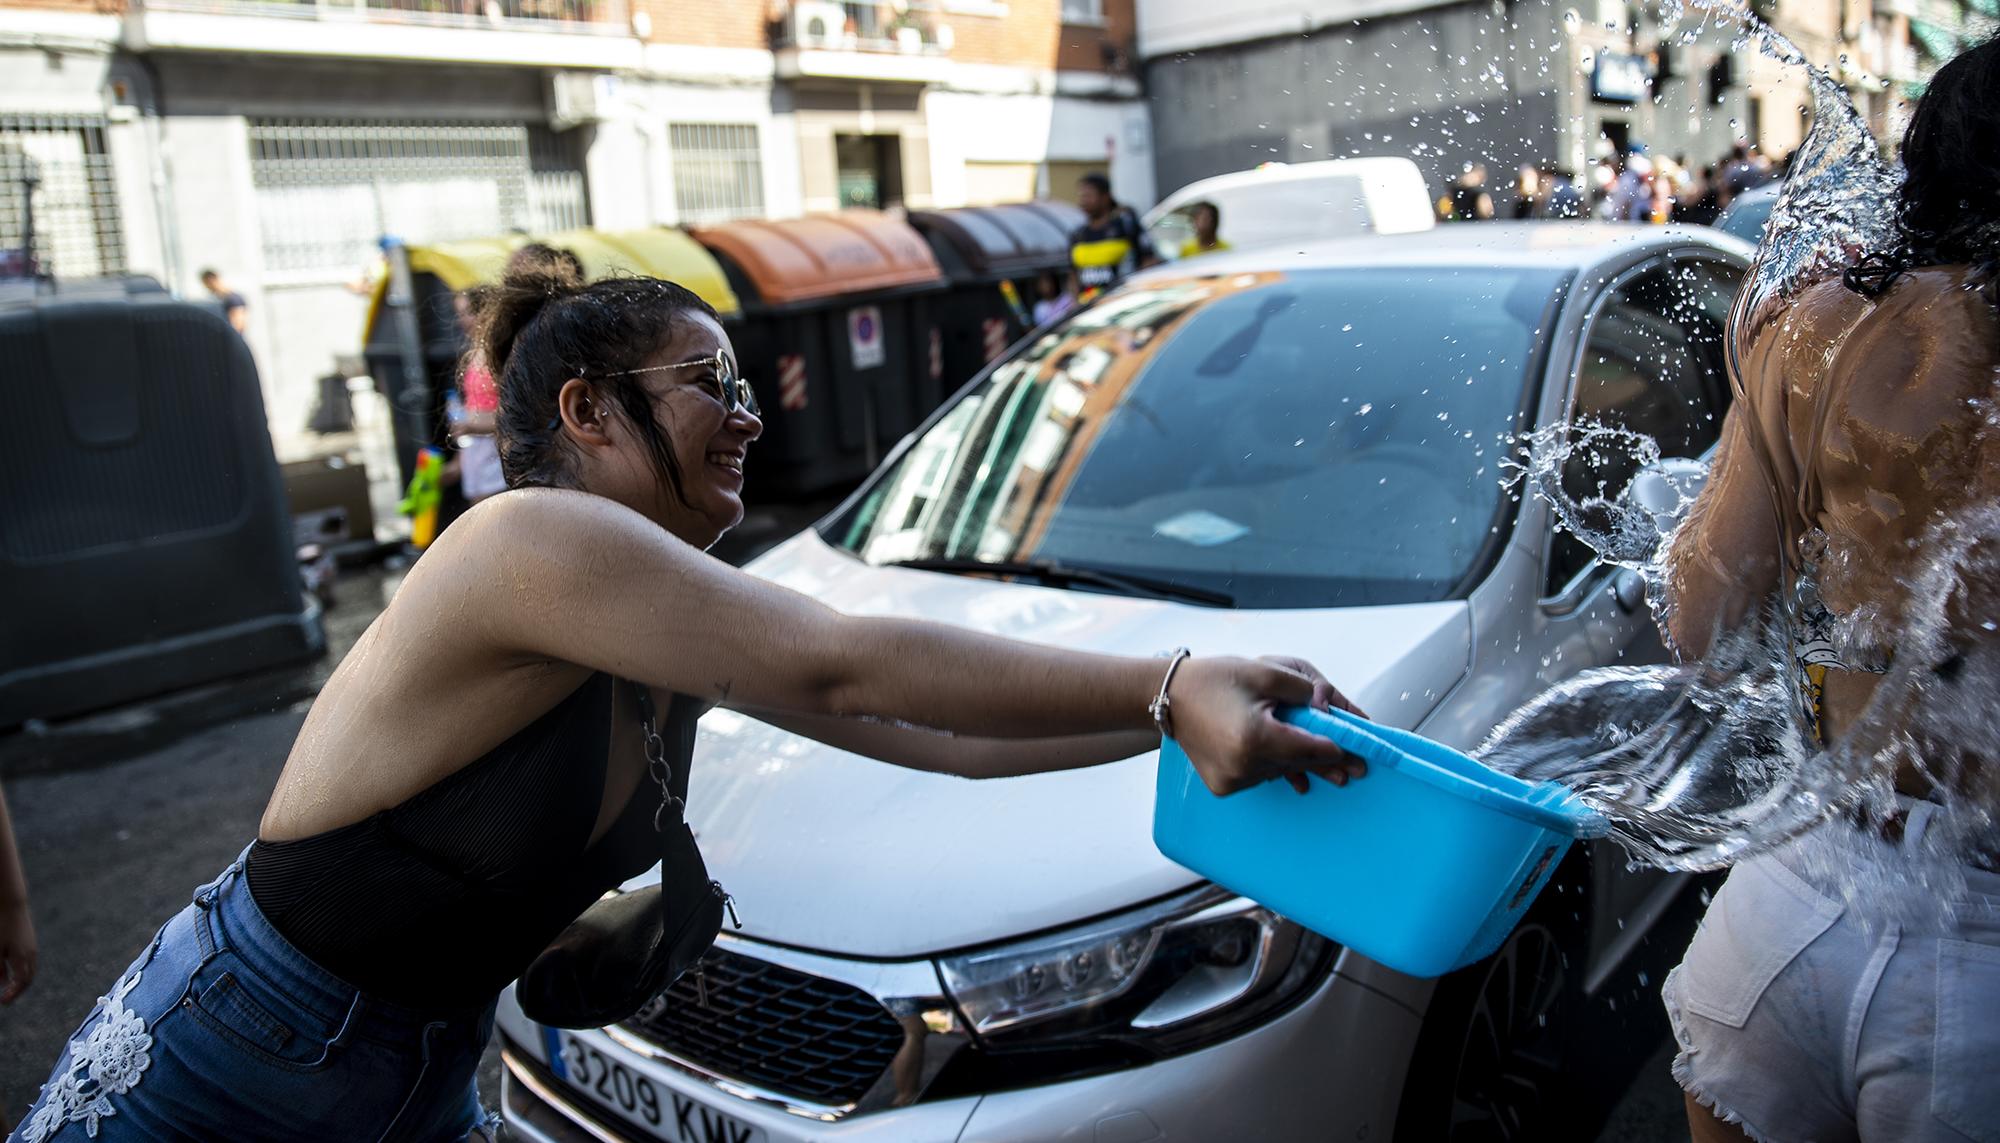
<point x="328" y="189"/>
<point x="1653" y="364"/>
<point x="868" y="170"/>
<point x="75" y="201"/>
<point x="1083" y="11"/>
<point x="718" y="172"/>
<point x="1233" y="437"/>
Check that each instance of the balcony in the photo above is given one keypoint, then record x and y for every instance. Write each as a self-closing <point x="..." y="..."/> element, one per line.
<point x="898" y="41"/>
<point x="558" y="33"/>
<point x="907" y="27"/>
<point x="607" y="17"/>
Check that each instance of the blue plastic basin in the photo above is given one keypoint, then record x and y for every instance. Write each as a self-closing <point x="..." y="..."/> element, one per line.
<point x="1426" y="864"/>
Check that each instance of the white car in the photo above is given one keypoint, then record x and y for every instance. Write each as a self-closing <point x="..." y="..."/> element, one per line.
<point x="1285" y="204"/>
<point x="1273" y="453"/>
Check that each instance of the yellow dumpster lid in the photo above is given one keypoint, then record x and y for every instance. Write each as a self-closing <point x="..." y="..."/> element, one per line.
<point x="825" y="255"/>
<point x="657" y="252"/>
<point x="463" y="265"/>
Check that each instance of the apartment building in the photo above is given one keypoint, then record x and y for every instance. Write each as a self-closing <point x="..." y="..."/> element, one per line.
<point x="277" y="141"/>
<point x="1504" y="82"/>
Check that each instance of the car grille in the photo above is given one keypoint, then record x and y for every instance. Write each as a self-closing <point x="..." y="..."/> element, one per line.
<point x="787" y="1032"/>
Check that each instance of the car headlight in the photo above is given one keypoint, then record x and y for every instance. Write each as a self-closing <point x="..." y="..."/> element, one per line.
<point x="1175" y="975"/>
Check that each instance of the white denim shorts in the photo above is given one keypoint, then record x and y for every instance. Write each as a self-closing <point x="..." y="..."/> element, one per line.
<point x="1801" y="1019"/>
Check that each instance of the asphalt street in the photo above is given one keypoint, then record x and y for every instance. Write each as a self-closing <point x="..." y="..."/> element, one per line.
<point x="117" y="829"/>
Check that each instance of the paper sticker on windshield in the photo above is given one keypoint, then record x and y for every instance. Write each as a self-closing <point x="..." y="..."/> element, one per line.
<point x="1201" y="528"/>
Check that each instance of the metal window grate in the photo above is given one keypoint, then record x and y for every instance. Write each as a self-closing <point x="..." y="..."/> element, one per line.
<point x="77" y="234"/>
<point x="328" y="189"/>
<point x="718" y="172"/>
<point x="785" y="1031"/>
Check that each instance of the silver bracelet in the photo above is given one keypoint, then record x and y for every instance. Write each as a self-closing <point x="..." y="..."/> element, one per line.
<point x="1161" y="707"/>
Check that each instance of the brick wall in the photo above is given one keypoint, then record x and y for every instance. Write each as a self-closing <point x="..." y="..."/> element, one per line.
<point x="1025" y="37"/>
<point x="709" y="23"/>
<point x="1082" y="47"/>
<point x="108" y="7"/>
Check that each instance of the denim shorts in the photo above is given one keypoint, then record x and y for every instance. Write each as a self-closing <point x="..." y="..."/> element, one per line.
<point x="1800" y="1018"/>
<point x="221" y="1030"/>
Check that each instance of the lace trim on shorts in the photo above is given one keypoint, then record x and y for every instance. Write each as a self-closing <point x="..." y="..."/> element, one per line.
<point x="1683" y="1067"/>
<point x="106" y="1061"/>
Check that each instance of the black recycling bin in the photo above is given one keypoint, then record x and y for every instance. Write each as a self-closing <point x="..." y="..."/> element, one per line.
<point x="145" y="542"/>
<point x="979" y="248"/>
<point x="833" y="338"/>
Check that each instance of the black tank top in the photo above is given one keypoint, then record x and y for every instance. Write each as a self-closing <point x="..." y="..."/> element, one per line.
<point x="438" y="902"/>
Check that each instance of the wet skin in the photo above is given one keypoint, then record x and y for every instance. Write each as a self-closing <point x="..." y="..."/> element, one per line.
<point x="1868" y="421"/>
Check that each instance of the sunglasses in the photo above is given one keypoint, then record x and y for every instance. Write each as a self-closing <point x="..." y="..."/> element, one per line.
<point x="722" y="383"/>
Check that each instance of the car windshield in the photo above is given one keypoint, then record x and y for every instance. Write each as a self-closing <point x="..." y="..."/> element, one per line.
<point x="1307" y="439"/>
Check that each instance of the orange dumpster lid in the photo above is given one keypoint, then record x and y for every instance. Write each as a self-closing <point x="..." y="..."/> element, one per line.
<point x="825" y="255"/>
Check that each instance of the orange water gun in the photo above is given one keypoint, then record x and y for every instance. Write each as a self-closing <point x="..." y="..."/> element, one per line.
<point x="426" y="491"/>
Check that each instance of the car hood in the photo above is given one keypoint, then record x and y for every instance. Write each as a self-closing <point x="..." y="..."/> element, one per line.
<point x="828" y="851"/>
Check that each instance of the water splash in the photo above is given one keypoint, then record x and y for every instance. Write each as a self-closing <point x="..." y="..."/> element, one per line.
<point x="1709" y="762"/>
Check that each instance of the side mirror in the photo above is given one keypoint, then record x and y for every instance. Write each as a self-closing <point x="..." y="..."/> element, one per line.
<point x="1666" y="489"/>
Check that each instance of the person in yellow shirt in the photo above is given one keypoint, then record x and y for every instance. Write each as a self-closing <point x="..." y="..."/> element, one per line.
<point x="1207" y="219"/>
<point x="1109" y="245"/>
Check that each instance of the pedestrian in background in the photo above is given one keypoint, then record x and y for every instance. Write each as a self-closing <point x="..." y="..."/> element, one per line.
<point x="1529" y="192"/>
<point x="234" y="308"/>
<point x="1744" y="170"/>
<point x="1564" y="199"/>
<point x="1701" y="205"/>
<point x="1207" y="219"/>
<point x="1110" y="244"/>
<point x="1051" y="301"/>
<point x="1470" y="201"/>
<point x="1631" y="198"/>
<point x="479" y="474"/>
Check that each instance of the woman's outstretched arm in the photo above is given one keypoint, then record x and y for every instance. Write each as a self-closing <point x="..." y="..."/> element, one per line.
<point x="566" y="576"/>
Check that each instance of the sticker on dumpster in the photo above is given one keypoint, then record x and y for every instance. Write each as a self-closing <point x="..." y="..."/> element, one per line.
<point x="791" y="382"/>
<point x="864" y="336"/>
<point x="993" y="333"/>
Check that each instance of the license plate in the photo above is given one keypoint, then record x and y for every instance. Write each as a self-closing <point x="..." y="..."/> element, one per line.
<point x="636" y="1098"/>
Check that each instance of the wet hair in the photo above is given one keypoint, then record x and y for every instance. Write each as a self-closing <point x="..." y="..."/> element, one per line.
<point x="1951" y="152"/>
<point x="545" y="258"/>
<point x="1097" y="181"/>
<point x="540" y="326"/>
<point x="1947" y="211"/>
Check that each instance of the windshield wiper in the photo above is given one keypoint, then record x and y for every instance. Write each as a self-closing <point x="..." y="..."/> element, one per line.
<point x="1058" y="574"/>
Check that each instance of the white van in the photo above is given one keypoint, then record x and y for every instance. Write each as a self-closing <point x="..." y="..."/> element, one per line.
<point x="1299" y="202"/>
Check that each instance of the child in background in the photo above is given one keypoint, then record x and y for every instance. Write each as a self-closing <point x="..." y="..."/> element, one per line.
<point x="478" y="449"/>
<point x="1050" y="301"/>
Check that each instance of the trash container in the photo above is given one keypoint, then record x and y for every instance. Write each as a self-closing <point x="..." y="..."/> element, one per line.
<point x="979" y="248"/>
<point x="831" y="339"/>
<point x="412" y="339"/>
<point x="145" y="543"/>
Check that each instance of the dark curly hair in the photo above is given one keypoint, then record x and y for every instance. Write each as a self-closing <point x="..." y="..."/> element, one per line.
<point x="1948" y="210"/>
<point x="540" y="326"/>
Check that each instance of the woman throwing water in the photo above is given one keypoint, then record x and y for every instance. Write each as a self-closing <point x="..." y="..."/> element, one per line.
<point x="338" y="980"/>
<point x="1868" y="422"/>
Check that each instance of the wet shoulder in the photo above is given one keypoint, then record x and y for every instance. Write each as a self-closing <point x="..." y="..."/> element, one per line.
<point x="1935" y="330"/>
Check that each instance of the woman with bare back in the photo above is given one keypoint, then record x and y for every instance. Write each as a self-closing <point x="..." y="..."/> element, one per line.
<point x="1865" y="429"/>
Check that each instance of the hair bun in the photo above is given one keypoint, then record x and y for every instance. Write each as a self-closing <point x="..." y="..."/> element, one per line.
<point x="536" y="275"/>
<point x="543" y="269"/>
